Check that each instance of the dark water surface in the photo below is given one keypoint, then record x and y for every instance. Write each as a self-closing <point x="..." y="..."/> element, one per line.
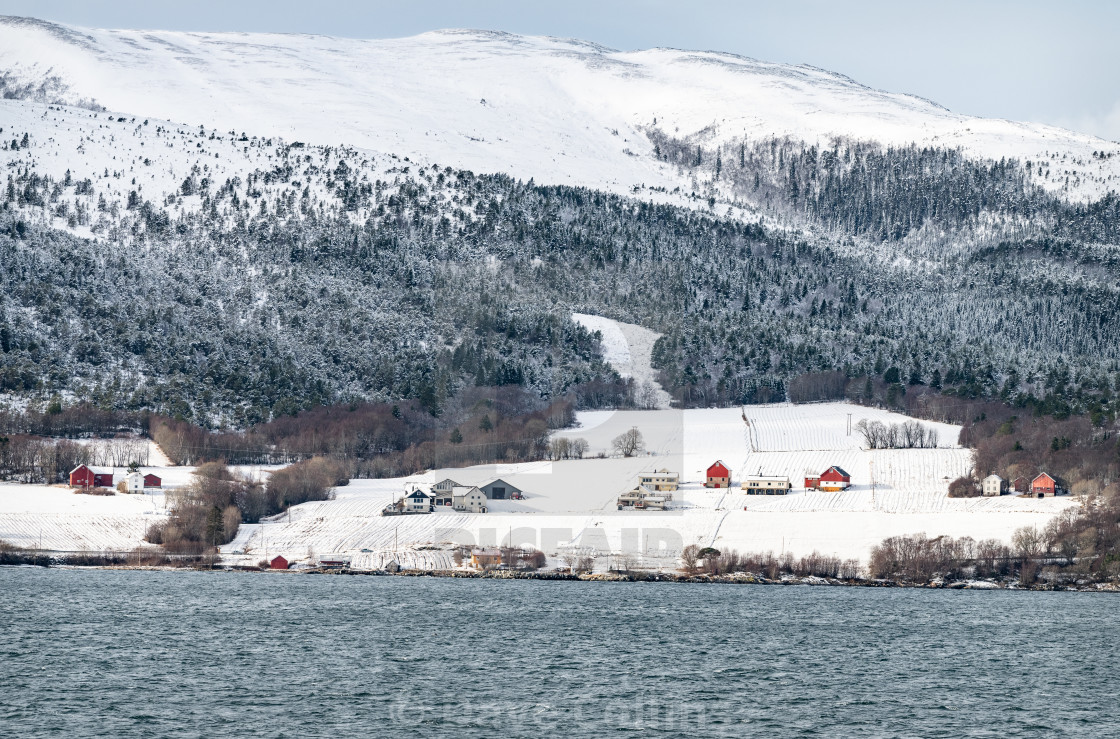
<point x="123" y="654"/>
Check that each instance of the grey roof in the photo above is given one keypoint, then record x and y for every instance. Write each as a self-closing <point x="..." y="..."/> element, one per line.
<point x="504" y="482"/>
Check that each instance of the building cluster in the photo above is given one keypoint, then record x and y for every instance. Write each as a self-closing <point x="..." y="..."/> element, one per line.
<point x="450" y="494"/>
<point x="653" y="493"/>
<point x="655" y="489"/>
<point x="136" y="481"/>
<point x="1041" y="486"/>
<point x="832" y="480"/>
<point x="719" y="476"/>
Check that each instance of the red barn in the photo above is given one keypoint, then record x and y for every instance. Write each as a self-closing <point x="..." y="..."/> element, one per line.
<point x="1021" y="485"/>
<point x="84" y="476"/>
<point x="718" y="476"/>
<point x="1044" y="486"/>
<point x="812" y="482"/>
<point x="152" y="481"/>
<point x="835" y="478"/>
<point x="278" y="563"/>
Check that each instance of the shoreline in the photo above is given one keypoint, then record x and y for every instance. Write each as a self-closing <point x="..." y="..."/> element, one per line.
<point x="636" y="577"/>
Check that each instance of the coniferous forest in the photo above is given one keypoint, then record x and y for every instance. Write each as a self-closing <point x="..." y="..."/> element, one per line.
<point x="323" y="280"/>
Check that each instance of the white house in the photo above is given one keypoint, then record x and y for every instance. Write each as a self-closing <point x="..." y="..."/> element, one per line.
<point x="417" y="502"/>
<point x="659" y="480"/>
<point x="469" y="499"/>
<point x="133" y="482"/>
<point x="994" y="485"/>
<point x="642" y="498"/>
<point x="764" y="485"/>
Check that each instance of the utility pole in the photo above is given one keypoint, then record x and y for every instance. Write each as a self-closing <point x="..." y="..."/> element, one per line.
<point x="871" y="466"/>
<point x="849" y="424"/>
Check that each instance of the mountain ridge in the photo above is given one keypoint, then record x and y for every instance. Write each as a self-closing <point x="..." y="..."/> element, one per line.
<point x="561" y="111"/>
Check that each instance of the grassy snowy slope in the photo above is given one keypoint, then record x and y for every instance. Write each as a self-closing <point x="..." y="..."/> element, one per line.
<point x="559" y="110"/>
<point x="570" y="504"/>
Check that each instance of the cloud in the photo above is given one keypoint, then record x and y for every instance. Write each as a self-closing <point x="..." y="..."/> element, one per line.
<point x="1106" y="124"/>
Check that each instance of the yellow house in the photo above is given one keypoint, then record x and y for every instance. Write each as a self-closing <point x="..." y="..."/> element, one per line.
<point x="485" y="559"/>
<point x="659" y="481"/>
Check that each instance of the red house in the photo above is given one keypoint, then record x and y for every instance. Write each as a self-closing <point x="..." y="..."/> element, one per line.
<point x="278" y="563"/>
<point x="718" y="476"/>
<point x="835" y="478"/>
<point x="1044" y="486"/>
<point x="152" y="481"/>
<point x="812" y="482"/>
<point x="84" y="476"/>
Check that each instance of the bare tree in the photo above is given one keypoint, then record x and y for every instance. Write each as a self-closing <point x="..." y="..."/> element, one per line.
<point x="647" y="396"/>
<point x="629" y="442"/>
<point x="690" y="555"/>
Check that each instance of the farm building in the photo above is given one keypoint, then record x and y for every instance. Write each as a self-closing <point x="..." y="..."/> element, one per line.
<point x="469" y="499"/>
<point x="334" y="561"/>
<point x="1044" y="486"/>
<point x="417" y="502"/>
<point x="84" y="476"/>
<point x="501" y="490"/>
<point x="812" y="481"/>
<point x="718" y="476"/>
<point x="642" y="498"/>
<point x="763" y="485"/>
<point x="994" y="485"/>
<point x="484" y="559"/>
<point x="133" y="483"/>
<point x="834" y="479"/>
<point x="278" y="563"/>
<point x="1021" y="485"/>
<point x="444" y="486"/>
<point x="659" y="480"/>
<point x="137" y="482"/>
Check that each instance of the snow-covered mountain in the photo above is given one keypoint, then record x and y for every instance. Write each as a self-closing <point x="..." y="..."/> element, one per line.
<point x="230" y="227"/>
<point x="557" y="110"/>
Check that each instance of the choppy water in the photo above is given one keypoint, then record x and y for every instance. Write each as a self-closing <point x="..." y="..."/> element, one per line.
<point x="122" y="654"/>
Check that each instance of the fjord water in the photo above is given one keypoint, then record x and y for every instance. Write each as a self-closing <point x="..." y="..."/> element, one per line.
<point x="130" y="653"/>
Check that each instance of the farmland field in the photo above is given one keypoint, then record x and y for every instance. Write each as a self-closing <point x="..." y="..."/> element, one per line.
<point x="569" y="505"/>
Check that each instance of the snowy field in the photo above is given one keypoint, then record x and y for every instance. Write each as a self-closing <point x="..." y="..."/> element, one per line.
<point x="570" y="509"/>
<point x="570" y="505"/>
<point x="56" y="518"/>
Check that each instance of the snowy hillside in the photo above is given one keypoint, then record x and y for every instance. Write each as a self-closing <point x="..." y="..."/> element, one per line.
<point x="570" y="505"/>
<point x="558" y="110"/>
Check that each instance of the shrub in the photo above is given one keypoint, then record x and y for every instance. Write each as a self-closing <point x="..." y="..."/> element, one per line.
<point x="964" y="487"/>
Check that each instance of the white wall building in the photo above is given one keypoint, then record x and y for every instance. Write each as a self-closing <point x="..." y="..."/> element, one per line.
<point x="468" y="499"/>
<point x="994" y="485"/>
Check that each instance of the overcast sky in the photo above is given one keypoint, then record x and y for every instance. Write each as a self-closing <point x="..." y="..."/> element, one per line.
<point x="1027" y="60"/>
